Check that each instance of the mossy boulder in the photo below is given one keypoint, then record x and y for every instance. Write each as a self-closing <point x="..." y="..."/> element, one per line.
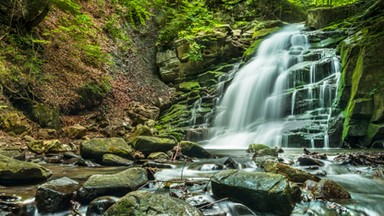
<point x="192" y="149"/>
<point x="14" y="172"/>
<point x="146" y="203"/>
<point x="44" y="146"/>
<point x="55" y="195"/>
<point x="97" y="147"/>
<point x="293" y="174"/>
<point x="149" y="144"/>
<point x="14" y="122"/>
<point x="189" y="86"/>
<point x="252" y="148"/>
<point x="46" y="116"/>
<point x="262" y="192"/>
<point x="117" y="184"/>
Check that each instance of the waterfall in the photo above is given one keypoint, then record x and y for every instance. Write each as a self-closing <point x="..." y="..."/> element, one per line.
<point x="258" y="106"/>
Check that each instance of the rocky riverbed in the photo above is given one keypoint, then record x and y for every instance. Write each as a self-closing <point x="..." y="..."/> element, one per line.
<point x="261" y="180"/>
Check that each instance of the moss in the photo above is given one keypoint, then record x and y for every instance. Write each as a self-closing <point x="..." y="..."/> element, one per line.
<point x="189" y="86"/>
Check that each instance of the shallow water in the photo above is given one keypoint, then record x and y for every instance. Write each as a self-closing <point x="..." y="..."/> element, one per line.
<point x="367" y="192"/>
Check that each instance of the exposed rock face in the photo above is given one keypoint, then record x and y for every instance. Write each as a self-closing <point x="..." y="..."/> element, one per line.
<point x="321" y="17"/>
<point x="146" y="203"/>
<point x="263" y="192"/>
<point x="361" y="88"/>
<point x="117" y="184"/>
<point x="55" y="195"/>
<point x="13" y="172"/>
<point x="96" y="148"/>
<point x="140" y="113"/>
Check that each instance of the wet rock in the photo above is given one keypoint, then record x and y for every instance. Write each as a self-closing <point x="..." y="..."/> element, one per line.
<point x="293" y="174"/>
<point x="114" y="160"/>
<point x="192" y="149"/>
<point x="96" y="148"/>
<point x="361" y="158"/>
<point x="75" y="131"/>
<point x="15" y="172"/>
<point x="55" y="195"/>
<point x="146" y="203"/>
<point x="100" y="205"/>
<point x="315" y="155"/>
<point x="266" y="151"/>
<point x="54" y="158"/>
<point x="11" y="205"/>
<point x="148" y="144"/>
<point x="307" y="161"/>
<point x="263" y="192"/>
<point x="117" y="184"/>
<point x="143" y="130"/>
<point x="160" y="156"/>
<point x="252" y="148"/>
<point x="260" y="160"/>
<point x="327" y="189"/>
<point x="152" y="164"/>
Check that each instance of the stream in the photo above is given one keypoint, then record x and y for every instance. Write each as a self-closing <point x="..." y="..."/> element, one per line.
<point x="367" y="192"/>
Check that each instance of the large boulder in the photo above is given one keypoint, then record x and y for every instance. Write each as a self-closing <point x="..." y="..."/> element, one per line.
<point x="114" y="160"/>
<point x="149" y="144"/>
<point x="46" y="116"/>
<point x="262" y="192"/>
<point x="14" y="172"/>
<point x="55" y="195"/>
<point x="192" y="149"/>
<point x="117" y="184"/>
<point x="97" y="147"/>
<point x="146" y="203"/>
<point x="100" y="205"/>
<point x="293" y="174"/>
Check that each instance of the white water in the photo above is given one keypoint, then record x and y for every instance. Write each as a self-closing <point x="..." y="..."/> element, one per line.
<point x="252" y="109"/>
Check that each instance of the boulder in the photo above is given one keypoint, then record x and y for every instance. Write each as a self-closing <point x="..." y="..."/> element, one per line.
<point x="114" y="160"/>
<point x="192" y="149"/>
<point x="14" y="172"/>
<point x="169" y="65"/>
<point x="262" y="192"/>
<point x="75" y="131"/>
<point x="44" y="146"/>
<point x="308" y="161"/>
<point x="117" y="184"/>
<point x="46" y="116"/>
<point x="146" y="203"/>
<point x="100" y="205"/>
<point x="97" y="147"/>
<point x="293" y="174"/>
<point x="55" y="195"/>
<point x="14" y="122"/>
<point x="327" y="189"/>
<point x="148" y="144"/>
<point x="252" y="148"/>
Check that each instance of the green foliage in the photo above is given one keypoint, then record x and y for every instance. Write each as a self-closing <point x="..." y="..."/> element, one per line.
<point x="195" y="51"/>
<point x="186" y="19"/>
<point x="136" y="11"/>
<point x="311" y="3"/>
<point x="114" y="28"/>
<point x="69" y="6"/>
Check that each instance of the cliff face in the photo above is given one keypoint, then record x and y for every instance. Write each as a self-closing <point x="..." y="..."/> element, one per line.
<point x="361" y="87"/>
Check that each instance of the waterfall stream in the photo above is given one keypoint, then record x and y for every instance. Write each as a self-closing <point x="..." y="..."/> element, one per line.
<point x="283" y="96"/>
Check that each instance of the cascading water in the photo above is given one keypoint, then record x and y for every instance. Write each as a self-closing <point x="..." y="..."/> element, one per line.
<point x="282" y="95"/>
